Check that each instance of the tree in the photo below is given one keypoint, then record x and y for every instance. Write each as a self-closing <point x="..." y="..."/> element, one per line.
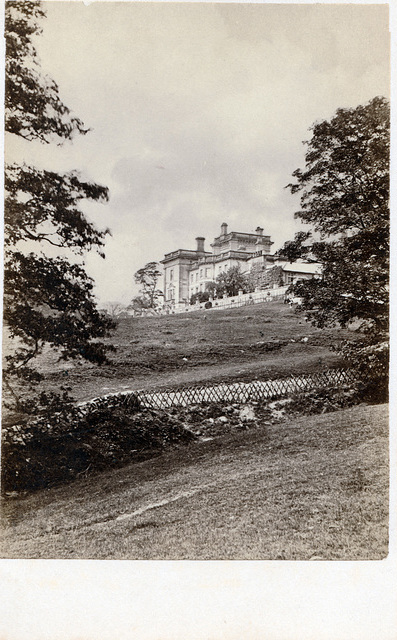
<point x="138" y="305"/>
<point x="231" y="282"/>
<point x="296" y="248"/>
<point x="345" y="197"/>
<point x="200" y="296"/>
<point x="147" y="278"/>
<point x="47" y="300"/>
<point x="115" y="309"/>
<point x="33" y="107"/>
<point x="211" y="288"/>
<point x="256" y="278"/>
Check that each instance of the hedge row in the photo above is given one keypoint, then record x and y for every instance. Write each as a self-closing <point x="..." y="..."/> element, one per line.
<point x="42" y="453"/>
<point x="109" y="432"/>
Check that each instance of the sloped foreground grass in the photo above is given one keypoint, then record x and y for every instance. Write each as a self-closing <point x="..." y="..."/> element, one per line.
<point x="297" y="489"/>
<point x="46" y="451"/>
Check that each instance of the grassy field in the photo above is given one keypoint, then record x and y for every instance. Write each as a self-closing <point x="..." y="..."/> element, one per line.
<point x="294" y="488"/>
<point x="260" y="341"/>
<point x="308" y="488"/>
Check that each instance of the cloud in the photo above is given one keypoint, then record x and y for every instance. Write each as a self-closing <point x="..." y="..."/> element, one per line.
<point x="198" y="112"/>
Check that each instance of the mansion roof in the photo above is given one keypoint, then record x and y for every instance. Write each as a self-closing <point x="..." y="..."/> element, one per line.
<point x="248" y="238"/>
<point x="188" y="254"/>
<point x="234" y="244"/>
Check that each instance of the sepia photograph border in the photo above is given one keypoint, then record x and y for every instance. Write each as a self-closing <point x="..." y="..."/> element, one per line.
<point x="214" y="600"/>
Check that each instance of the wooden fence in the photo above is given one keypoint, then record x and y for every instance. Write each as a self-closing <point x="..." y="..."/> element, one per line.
<point x="237" y="392"/>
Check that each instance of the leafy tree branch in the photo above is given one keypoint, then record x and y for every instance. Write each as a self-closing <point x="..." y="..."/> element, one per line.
<point x="47" y="300"/>
<point x="345" y="197"/>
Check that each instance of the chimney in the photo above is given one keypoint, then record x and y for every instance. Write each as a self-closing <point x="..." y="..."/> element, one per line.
<point x="259" y="231"/>
<point x="200" y="245"/>
<point x="223" y="229"/>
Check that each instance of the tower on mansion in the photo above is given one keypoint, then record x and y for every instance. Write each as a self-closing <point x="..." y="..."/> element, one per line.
<point x="189" y="271"/>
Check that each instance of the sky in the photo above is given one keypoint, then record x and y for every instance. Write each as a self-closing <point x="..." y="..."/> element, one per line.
<point x="197" y="114"/>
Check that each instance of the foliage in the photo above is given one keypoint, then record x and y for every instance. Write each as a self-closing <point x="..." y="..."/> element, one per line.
<point x="211" y="288"/>
<point x="346" y="181"/>
<point x="345" y="197"/>
<point x="138" y="304"/>
<point x="274" y="276"/>
<point x="261" y="277"/>
<point x="370" y="358"/>
<point x="115" y="309"/>
<point x="41" y="453"/>
<point x="297" y="248"/>
<point x="43" y="206"/>
<point x="147" y="278"/>
<point x="200" y="296"/>
<point x="320" y="401"/>
<point x="255" y="278"/>
<point x="65" y="321"/>
<point x="231" y="282"/>
<point x="33" y="107"/>
<point x="69" y="441"/>
<point x="47" y="300"/>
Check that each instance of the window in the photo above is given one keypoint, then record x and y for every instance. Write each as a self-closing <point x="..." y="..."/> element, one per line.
<point x="201" y="273"/>
<point x="207" y="273"/>
<point x="196" y="276"/>
<point x="191" y="277"/>
<point x="171" y="274"/>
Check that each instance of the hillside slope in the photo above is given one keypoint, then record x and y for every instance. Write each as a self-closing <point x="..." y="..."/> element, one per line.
<point x="310" y="488"/>
<point x="260" y="341"/>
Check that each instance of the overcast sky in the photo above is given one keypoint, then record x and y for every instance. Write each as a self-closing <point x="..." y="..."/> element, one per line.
<point x="198" y="113"/>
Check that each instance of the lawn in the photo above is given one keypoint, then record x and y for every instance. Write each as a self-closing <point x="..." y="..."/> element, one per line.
<point x="295" y="489"/>
<point x="259" y="341"/>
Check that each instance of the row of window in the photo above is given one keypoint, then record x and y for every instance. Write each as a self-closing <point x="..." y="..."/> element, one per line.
<point x="204" y="273"/>
<point x="194" y="277"/>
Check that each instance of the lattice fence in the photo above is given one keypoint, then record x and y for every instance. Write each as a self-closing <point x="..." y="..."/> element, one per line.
<point x="237" y="392"/>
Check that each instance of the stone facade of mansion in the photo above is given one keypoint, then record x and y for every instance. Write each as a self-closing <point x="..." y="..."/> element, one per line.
<point x="189" y="271"/>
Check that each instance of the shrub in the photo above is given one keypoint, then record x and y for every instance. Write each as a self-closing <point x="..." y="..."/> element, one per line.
<point x="321" y="400"/>
<point x="41" y="453"/>
<point x="200" y="296"/>
<point x="370" y="361"/>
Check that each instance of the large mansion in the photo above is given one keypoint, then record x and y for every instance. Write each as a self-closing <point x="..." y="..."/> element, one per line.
<point x="189" y="271"/>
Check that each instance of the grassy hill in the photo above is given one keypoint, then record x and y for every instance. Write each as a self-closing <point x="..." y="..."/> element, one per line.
<point x="312" y="487"/>
<point x="262" y="341"/>
<point x="286" y="487"/>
